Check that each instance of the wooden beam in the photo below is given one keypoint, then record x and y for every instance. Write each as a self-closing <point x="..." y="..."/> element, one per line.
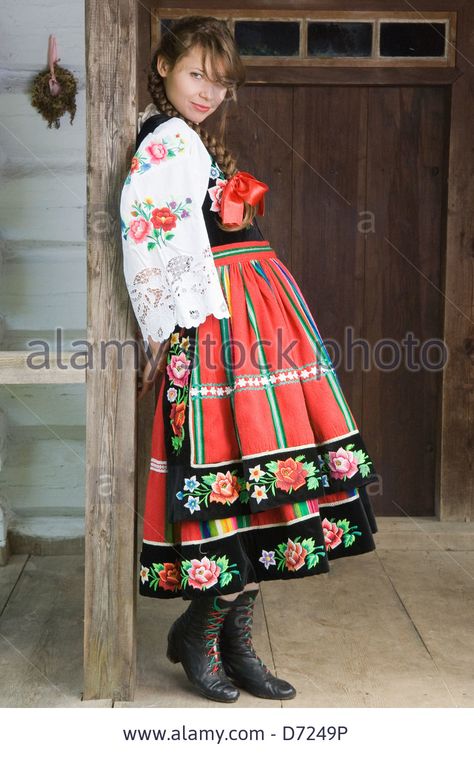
<point x="110" y="552"/>
<point x="368" y="76"/>
<point x="18" y="367"/>
<point x="455" y="500"/>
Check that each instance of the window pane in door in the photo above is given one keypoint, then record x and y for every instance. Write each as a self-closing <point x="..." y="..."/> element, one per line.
<point x="329" y="39"/>
<point x="405" y="39"/>
<point x="280" y="38"/>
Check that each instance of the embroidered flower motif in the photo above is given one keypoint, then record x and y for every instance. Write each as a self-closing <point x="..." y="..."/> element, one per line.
<point x="287" y="475"/>
<point x="222" y="488"/>
<point x="171" y="394"/>
<point x="290" y="474"/>
<point x="178" y="369"/>
<point x="205" y="573"/>
<point x="139" y="229"/>
<point x="267" y="558"/>
<point x="339" y="532"/>
<point x="170" y="576"/>
<point x="161" y="218"/>
<point x="154" y="224"/>
<point x="215" y="172"/>
<point x="156" y="152"/>
<point x="345" y="462"/>
<point x="225" y="489"/>
<point x="165" y="576"/>
<point x="255" y="473"/>
<point x="295" y="554"/>
<point x="144" y="573"/>
<point x="192" y="504"/>
<point x="215" y="194"/>
<point x="332" y="534"/>
<point x="177" y="417"/>
<point x="259" y="493"/>
<point x="190" y="484"/>
<point x="342" y="463"/>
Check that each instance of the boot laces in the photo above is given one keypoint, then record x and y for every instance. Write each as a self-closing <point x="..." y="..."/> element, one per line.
<point x="246" y="624"/>
<point x="211" y="634"/>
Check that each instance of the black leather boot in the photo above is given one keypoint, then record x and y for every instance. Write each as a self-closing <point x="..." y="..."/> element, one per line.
<point x="193" y="640"/>
<point x="239" y="658"/>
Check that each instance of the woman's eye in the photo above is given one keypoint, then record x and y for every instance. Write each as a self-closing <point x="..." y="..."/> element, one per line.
<point x="196" y="73"/>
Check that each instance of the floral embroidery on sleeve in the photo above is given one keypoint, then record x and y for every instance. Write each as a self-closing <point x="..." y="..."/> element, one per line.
<point x="154" y="153"/>
<point x="154" y="225"/>
<point x="167" y="260"/>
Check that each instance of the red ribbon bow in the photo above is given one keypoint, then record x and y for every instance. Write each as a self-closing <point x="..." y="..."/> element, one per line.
<point x="241" y="186"/>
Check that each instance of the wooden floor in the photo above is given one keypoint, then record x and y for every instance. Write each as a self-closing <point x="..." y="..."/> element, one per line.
<point x="392" y="628"/>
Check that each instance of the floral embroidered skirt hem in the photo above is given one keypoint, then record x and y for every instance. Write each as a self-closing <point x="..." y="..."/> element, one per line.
<point x="257" y="470"/>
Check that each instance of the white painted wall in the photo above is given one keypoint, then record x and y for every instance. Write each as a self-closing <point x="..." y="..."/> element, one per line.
<point x="42" y="267"/>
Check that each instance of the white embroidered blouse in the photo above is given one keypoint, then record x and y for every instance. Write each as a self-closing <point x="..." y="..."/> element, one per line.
<point x="167" y="259"/>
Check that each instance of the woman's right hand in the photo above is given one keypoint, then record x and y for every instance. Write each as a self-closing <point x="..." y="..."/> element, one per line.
<point x="153" y="369"/>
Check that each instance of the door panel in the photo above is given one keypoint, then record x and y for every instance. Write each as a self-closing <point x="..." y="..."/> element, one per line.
<point x="355" y="208"/>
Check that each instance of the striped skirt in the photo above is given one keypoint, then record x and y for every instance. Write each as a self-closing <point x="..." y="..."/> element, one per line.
<point x="258" y="471"/>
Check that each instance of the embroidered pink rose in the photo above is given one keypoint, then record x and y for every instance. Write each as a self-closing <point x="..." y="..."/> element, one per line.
<point x="203" y="573"/>
<point x="157" y="152"/>
<point x="139" y="229"/>
<point x="162" y="218"/>
<point x="178" y="369"/>
<point x="342" y="463"/>
<point x="225" y="489"/>
<point x="294" y="555"/>
<point x="332" y="534"/>
<point x="290" y="474"/>
<point x="135" y="165"/>
<point x="216" y="194"/>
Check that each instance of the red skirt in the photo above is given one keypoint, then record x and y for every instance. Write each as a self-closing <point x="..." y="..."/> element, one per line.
<point x="257" y="468"/>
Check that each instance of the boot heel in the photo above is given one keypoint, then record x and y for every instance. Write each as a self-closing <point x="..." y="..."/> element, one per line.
<point x="172" y="652"/>
<point x="172" y="657"/>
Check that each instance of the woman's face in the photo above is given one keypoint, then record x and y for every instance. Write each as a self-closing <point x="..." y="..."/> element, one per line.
<point x="187" y="86"/>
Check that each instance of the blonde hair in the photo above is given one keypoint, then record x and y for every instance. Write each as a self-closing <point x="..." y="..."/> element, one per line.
<point x="215" y="39"/>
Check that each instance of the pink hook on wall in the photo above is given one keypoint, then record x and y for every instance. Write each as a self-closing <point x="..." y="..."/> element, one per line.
<point x="54" y="85"/>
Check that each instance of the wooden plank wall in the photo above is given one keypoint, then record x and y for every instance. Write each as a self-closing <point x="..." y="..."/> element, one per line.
<point x="42" y="280"/>
<point x="456" y="493"/>
<point x="110" y="554"/>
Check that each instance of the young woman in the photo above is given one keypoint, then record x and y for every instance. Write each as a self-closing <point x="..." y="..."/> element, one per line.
<point x="258" y="470"/>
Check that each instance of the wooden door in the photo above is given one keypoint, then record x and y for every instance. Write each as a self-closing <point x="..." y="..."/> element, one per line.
<point x="355" y="209"/>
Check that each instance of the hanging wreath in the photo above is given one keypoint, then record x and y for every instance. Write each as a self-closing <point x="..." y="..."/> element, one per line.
<point x="54" y="90"/>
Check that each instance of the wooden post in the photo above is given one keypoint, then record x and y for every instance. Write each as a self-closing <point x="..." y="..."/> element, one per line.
<point x="110" y="550"/>
<point x="456" y="495"/>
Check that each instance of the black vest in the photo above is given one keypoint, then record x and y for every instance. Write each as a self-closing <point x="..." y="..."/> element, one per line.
<point x="216" y="235"/>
